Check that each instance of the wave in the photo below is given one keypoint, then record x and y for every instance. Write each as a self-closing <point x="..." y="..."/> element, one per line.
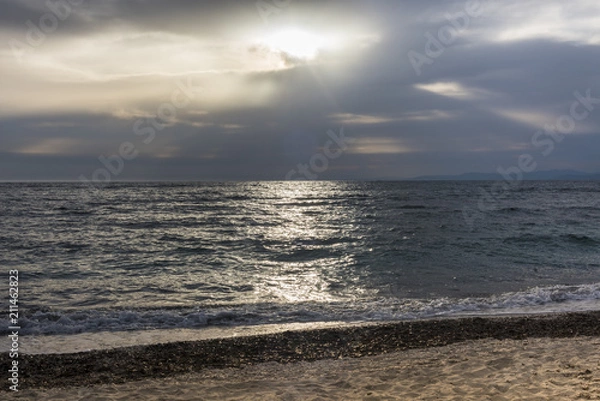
<point x="535" y="300"/>
<point x="414" y="207"/>
<point x="528" y="239"/>
<point x="577" y="239"/>
<point x="515" y="209"/>
<point x="581" y="239"/>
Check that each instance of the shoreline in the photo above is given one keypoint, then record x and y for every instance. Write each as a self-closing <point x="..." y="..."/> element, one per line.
<point x="121" y="365"/>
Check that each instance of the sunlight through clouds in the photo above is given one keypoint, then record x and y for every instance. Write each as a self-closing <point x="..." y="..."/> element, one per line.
<point x="575" y="21"/>
<point x="78" y="81"/>
<point x="454" y="90"/>
<point x="373" y="145"/>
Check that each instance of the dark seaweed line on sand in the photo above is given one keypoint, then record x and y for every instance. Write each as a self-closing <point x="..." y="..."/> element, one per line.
<point x="163" y="360"/>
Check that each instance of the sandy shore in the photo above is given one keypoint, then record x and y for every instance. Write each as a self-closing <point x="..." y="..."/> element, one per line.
<point x="440" y="359"/>
<point x="531" y="369"/>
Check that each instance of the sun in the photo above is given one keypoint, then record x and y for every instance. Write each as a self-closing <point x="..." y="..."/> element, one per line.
<point x="297" y="43"/>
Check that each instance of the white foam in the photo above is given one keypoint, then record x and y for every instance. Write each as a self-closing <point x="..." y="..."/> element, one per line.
<point x="106" y="329"/>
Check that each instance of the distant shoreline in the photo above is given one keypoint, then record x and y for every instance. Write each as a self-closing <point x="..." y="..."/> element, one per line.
<point x="164" y="360"/>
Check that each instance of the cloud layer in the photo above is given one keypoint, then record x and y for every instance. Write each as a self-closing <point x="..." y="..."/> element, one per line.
<point x="205" y="90"/>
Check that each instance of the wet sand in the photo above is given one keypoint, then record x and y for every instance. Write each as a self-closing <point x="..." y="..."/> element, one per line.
<point x="133" y="366"/>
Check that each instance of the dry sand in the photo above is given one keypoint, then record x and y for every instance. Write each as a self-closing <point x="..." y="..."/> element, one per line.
<point x="529" y="369"/>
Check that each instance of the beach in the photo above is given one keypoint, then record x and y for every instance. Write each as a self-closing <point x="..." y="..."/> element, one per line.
<point x="502" y="358"/>
<point x="532" y="369"/>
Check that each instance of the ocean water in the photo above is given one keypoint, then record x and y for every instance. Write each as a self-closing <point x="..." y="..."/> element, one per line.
<point x="140" y="256"/>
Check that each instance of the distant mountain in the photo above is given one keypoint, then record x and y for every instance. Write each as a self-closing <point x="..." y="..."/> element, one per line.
<point x="549" y="175"/>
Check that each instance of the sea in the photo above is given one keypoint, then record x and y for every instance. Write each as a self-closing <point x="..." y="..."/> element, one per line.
<point x="158" y="260"/>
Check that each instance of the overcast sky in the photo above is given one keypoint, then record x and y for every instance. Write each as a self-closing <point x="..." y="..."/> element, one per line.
<point x="247" y="90"/>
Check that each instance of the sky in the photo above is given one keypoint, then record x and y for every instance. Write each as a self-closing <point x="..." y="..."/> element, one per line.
<point x="115" y="90"/>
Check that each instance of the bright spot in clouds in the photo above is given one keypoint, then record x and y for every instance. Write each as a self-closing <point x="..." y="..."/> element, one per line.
<point x="297" y="43"/>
